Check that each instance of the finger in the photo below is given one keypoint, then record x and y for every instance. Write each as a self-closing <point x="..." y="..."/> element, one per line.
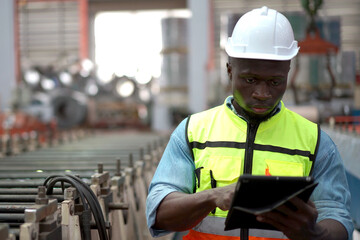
<point x="288" y="209"/>
<point x="298" y="205"/>
<point x="278" y="225"/>
<point x="311" y="203"/>
<point x="279" y="218"/>
<point x="307" y="208"/>
<point x="297" y="202"/>
<point x="272" y="221"/>
<point x="287" y="225"/>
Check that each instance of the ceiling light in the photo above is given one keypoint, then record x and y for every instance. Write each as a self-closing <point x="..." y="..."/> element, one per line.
<point x="91" y="88"/>
<point x="32" y="77"/>
<point x="104" y="76"/>
<point x="65" y="78"/>
<point x="145" y="95"/>
<point x="143" y="77"/>
<point x="125" y="88"/>
<point x="48" y="84"/>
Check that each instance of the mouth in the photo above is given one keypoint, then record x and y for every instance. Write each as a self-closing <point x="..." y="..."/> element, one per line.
<point x="259" y="109"/>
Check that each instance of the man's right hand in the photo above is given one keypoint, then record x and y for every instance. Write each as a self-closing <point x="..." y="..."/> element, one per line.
<point x="180" y="211"/>
<point x="224" y="196"/>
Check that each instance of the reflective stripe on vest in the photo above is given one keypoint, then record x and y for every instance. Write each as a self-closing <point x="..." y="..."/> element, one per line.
<point x="213" y="225"/>
<point x="194" y="235"/>
<point x="284" y="145"/>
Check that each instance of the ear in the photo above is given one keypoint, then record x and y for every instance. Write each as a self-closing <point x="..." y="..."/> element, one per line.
<point x="229" y="70"/>
<point x="297" y="62"/>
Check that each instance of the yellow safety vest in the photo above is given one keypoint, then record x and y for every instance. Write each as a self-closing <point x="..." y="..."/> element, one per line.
<point x="224" y="146"/>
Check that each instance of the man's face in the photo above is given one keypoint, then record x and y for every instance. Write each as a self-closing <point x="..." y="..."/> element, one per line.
<point x="257" y="85"/>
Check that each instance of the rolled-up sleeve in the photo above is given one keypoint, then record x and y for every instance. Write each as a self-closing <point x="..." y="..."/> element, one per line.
<point x="332" y="195"/>
<point x="175" y="172"/>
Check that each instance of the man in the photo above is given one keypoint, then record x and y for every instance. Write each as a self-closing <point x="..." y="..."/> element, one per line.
<point x="252" y="132"/>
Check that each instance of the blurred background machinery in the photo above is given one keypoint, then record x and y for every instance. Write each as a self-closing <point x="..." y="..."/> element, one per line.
<point x="86" y="82"/>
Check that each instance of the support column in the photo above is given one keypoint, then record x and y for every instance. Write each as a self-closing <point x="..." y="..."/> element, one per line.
<point x="198" y="54"/>
<point x="7" y="49"/>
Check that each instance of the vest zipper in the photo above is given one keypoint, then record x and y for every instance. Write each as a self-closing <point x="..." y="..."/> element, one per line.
<point x="249" y="150"/>
<point x="249" y="147"/>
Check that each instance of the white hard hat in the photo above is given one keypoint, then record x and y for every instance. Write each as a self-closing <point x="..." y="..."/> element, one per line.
<point x="262" y="33"/>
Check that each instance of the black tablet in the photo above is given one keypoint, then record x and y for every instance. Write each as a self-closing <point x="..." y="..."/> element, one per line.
<point x="258" y="194"/>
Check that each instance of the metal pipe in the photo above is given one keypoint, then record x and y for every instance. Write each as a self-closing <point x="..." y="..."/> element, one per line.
<point x="27" y="184"/>
<point x="118" y="206"/>
<point x="11" y="184"/>
<point x="83" y="166"/>
<point x="43" y="175"/>
<point x="26" y="198"/>
<point x="12" y="208"/>
<point x="12" y="218"/>
<point x="25" y="191"/>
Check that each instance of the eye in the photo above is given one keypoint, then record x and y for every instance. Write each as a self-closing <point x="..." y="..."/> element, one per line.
<point x="250" y="80"/>
<point x="275" y="82"/>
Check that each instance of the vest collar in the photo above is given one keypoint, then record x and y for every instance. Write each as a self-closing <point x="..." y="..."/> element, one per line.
<point x="241" y="122"/>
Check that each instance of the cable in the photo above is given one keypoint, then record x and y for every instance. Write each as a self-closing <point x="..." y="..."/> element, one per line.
<point x="87" y="197"/>
<point x="56" y="179"/>
<point x="98" y="216"/>
<point x="86" y="214"/>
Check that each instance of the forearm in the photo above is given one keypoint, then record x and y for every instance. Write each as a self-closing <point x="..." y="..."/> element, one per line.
<point x="180" y="211"/>
<point x="333" y="230"/>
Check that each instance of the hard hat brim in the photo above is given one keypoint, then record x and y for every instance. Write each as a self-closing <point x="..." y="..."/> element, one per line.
<point x="260" y="56"/>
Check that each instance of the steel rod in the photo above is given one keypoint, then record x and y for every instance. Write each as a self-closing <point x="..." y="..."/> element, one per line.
<point x="61" y="167"/>
<point x="12" y="218"/>
<point x="26" y="198"/>
<point x="24" y="191"/>
<point x="13" y="208"/>
<point x="30" y="184"/>
<point x="43" y="175"/>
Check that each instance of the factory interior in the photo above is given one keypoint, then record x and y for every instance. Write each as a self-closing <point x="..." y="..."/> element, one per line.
<point x="91" y="91"/>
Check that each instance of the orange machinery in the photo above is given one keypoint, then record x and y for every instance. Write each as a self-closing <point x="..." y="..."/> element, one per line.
<point x="22" y="131"/>
<point x="315" y="45"/>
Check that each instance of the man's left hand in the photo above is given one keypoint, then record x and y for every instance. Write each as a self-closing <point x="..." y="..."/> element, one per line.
<point x="297" y="222"/>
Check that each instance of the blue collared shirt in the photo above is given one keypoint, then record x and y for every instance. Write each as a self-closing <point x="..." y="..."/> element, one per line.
<point x="175" y="172"/>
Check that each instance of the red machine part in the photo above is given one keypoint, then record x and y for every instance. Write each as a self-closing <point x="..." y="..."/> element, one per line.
<point x="346" y="123"/>
<point x="22" y="123"/>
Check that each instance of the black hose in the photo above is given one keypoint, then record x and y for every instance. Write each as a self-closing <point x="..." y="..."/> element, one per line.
<point x="94" y="206"/>
<point x="52" y="183"/>
<point x="87" y="194"/>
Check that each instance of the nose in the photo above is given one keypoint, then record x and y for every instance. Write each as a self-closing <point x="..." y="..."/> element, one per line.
<point x="261" y="92"/>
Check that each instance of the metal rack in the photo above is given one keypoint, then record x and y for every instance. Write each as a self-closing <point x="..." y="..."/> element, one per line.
<point x="114" y="165"/>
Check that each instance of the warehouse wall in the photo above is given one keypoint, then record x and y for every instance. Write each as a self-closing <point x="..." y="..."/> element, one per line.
<point x="124" y="5"/>
<point x="49" y="33"/>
